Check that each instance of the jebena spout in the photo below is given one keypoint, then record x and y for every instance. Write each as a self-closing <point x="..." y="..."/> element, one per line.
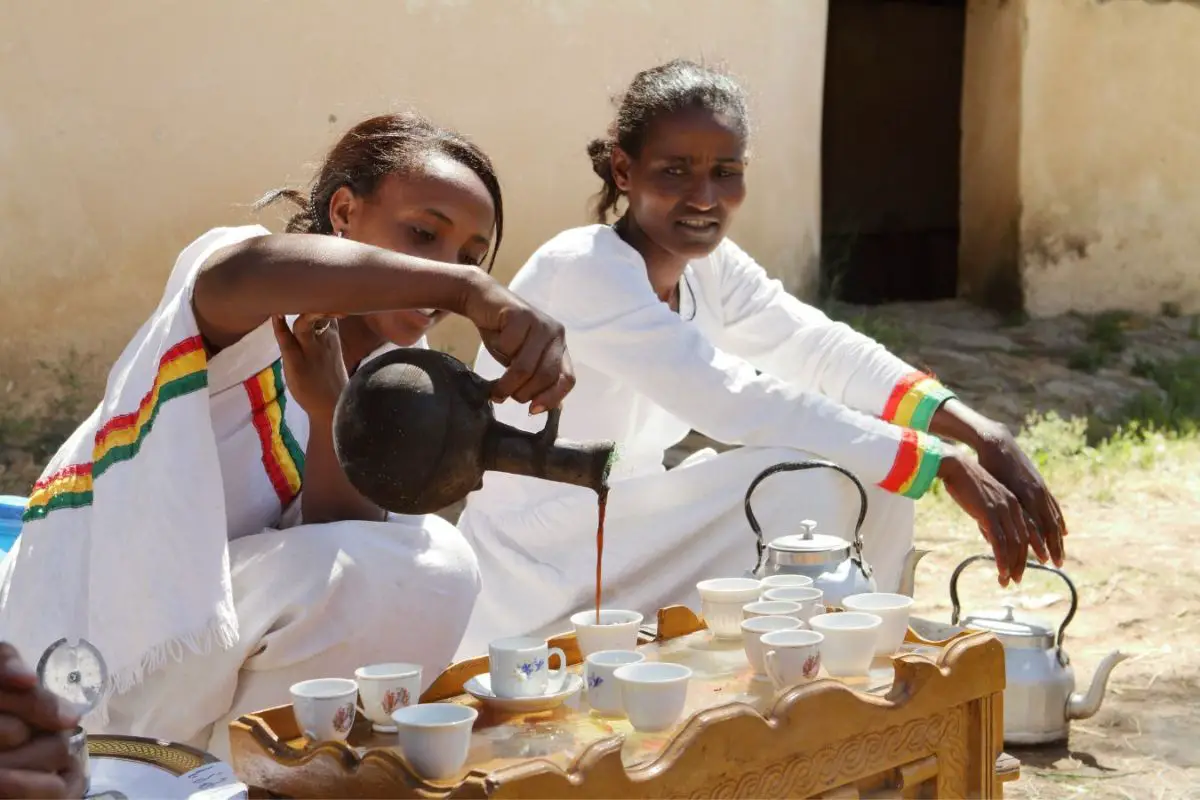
<point x="543" y="455"/>
<point x="908" y="575"/>
<point x="1082" y="706"/>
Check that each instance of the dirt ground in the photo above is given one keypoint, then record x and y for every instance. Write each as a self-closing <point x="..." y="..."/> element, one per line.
<point x="1133" y="561"/>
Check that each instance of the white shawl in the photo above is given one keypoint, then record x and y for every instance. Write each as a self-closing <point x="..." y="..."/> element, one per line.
<point x="124" y="539"/>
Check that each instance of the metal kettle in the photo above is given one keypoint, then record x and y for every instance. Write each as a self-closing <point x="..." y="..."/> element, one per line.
<point x="414" y="432"/>
<point x="836" y="566"/>
<point x="1039" y="696"/>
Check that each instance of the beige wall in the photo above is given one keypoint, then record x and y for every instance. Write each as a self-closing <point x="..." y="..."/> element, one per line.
<point x="128" y="127"/>
<point x="990" y="201"/>
<point x="1109" y="164"/>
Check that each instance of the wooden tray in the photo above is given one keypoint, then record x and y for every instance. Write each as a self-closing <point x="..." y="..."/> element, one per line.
<point x="927" y="723"/>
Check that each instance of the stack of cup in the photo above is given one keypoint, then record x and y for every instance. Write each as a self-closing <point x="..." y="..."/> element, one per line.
<point x="811" y="599"/>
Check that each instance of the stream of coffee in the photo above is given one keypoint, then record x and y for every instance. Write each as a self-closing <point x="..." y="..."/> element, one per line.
<point x="602" y="508"/>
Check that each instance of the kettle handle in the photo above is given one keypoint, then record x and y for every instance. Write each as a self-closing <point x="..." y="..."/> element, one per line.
<point x="796" y="466"/>
<point x="1062" y="628"/>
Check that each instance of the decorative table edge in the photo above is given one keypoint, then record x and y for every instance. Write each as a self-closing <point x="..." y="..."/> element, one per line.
<point x="977" y="652"/>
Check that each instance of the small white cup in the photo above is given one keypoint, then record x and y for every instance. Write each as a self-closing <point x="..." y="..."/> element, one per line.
<point x="435" y="737"/>
<point x="653" y="693"/>
<point x="617" y="630"/>
<point x="324" y="708"/>
<point x="520" y="667"/>
<point x="752" y="632"/>
<point x="893" y="609"/>
<point x="721" y="601"/>
<point x="603" y="692"/>
<point x="792" y="657"/>
<point x="386" y="687"/>
<point x="772" y="608"/>
<point x="849" y="643"/>
<point x="784" y="582"/>
<point x="811" y="599"/>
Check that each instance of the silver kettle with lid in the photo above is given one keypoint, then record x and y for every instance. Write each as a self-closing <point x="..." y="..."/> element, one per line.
<point x="1039" y="695"/>
<point x="836" y="566"/>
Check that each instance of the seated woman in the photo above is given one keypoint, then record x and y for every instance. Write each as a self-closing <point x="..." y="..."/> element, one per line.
<point x="673" y="327"/>
<point x="197" y="528"/>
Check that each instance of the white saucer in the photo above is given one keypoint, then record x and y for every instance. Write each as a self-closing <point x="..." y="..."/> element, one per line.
<point x="480" y="687"/>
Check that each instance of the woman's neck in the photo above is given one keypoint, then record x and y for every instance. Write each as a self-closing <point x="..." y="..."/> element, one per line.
<point x="663" y="268"/>
<point x="358" y="341"/>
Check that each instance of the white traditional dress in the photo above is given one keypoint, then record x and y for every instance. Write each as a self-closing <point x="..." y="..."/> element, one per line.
<point x="167" y="532"/>
<point x="743" y="362"/>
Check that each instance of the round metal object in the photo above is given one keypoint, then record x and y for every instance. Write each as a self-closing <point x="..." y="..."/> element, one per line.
<point x="74" y="672"/>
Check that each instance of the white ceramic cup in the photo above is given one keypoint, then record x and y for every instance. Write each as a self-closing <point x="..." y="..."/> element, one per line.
<point x="603" y="692"/>
<point x="792" y="657"/>
<point x="752" y="632"/>
<point x="520" y="667"/>
<point x="893" y="609"/>
<point x="811" y="599"/>
<point x="617" y="630"/>
<point x="849" y="643"/>
<point x="653" y="693"/>
<point x="784" y="582"/>
<point x="721" y="602"/>
<point x="435" y="737"/>
<point x="772" y="608"/>
<point x="324" y="707"/>
<point x="386" y="687"/>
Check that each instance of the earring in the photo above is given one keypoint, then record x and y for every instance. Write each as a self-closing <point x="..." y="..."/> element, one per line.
<point x="340" y="235"/>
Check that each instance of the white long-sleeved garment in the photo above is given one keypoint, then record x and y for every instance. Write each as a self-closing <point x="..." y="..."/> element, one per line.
<point x="743" y="362"/>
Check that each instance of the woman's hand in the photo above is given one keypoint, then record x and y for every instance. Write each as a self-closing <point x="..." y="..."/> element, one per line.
<point x="34" y="758"/>
<point x="532" y="345"/>
<point x="993" y="507"/>
<point x="1000" y="455"/>
<point x="312" y="362"/>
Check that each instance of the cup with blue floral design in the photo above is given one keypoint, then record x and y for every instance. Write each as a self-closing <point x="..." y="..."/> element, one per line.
<point x="520" y="667"/>
<point x="603" y="691"/>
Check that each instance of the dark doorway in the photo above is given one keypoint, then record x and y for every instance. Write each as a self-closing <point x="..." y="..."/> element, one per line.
<point x="890" y="145"/>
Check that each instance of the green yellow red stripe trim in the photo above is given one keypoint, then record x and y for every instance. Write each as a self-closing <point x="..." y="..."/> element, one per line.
<point x="914" y="400"/>
<point x="183" y="369"/>
<point x="916" y="464"/>
<point x="282" y="457"/>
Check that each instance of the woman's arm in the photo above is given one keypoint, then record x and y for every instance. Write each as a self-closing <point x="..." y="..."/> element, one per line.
<point x="243" y="285"/>
<point x="778" y="333"/>
<point x="315" y="376"/>
<point x="619" y="327"/>
<point x="999" y="454"/>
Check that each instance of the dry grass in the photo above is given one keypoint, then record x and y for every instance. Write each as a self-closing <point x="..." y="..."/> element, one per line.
<point x="1131" y="504"/>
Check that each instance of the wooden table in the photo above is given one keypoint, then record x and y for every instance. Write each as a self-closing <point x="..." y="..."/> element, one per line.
<point x="926" y="723"/>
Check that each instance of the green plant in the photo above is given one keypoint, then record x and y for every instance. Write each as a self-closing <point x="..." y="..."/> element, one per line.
<point x="1105" y="337"/>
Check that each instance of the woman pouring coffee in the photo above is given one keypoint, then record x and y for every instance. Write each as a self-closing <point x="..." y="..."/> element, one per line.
<point x="197" y="528"/>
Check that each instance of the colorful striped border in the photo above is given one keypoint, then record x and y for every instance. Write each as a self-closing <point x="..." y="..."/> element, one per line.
<point x="183" y="369"/>
<point x="282" y="457"/>
<point x="914" y="400"/>
<point x="916" y="464"/>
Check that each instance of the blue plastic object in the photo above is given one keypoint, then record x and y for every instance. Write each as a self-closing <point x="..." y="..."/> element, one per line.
<point x="11" y="509"/>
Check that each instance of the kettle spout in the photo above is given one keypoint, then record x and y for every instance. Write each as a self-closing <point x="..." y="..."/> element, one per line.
<point x="908" y="575"/>
<point x="1082" y="706"/>
<point x="543" y="455"/>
